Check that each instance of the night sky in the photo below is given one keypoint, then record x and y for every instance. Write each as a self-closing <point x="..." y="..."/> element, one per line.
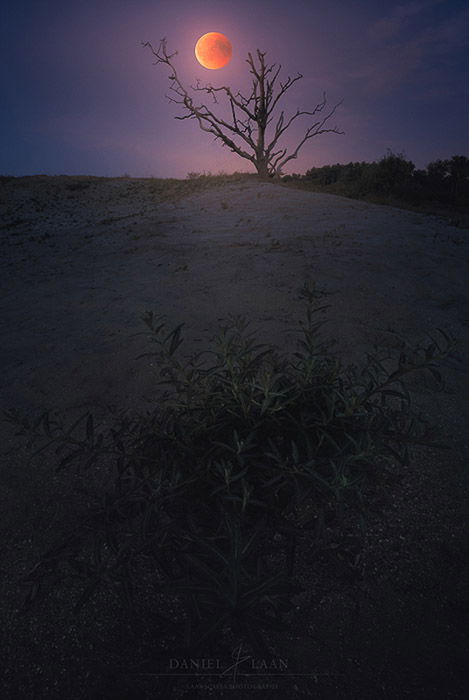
<point x="80" y="95"/>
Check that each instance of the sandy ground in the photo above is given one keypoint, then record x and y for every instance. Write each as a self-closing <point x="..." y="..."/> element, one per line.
<point x="81" y="263"/>
<point x="79" y="267"/>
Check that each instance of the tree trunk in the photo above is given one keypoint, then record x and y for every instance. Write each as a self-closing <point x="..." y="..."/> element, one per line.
<point x="262" y="169"/>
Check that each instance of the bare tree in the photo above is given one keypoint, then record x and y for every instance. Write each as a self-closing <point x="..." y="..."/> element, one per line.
<point x="250" y="116"/>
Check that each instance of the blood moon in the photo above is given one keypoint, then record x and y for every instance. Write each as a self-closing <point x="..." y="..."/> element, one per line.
<point x="213" y="50"/>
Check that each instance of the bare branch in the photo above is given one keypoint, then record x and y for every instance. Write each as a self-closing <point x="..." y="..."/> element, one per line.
<point x="314" y="130"/>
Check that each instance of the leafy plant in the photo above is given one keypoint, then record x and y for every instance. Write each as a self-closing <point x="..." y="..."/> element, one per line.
<point x="246" y="453"/>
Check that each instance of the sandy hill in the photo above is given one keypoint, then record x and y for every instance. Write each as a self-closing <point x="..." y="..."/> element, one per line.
<point x="83" y="258"/>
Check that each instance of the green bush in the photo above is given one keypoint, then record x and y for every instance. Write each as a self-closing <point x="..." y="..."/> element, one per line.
<point x="248" y="452"/>
<point x="395" y="179"/>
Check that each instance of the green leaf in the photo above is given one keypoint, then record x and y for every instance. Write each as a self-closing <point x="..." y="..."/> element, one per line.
<point x="176" y="339"/>
<point x="69" y="458"/>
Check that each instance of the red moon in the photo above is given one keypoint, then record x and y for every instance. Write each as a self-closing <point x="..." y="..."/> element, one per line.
<point x="213" y="50"/>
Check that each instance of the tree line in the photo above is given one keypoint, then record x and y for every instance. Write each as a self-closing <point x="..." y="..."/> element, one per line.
<point x="444" y="182"/>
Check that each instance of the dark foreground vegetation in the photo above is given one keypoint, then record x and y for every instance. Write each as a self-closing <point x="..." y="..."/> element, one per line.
<point x="442" y="187"/>
<point x="248" y="457"/>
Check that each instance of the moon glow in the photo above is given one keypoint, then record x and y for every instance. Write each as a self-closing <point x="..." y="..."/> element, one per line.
<point x="213" y="50"/>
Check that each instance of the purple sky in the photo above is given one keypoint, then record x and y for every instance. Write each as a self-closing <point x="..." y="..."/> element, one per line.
<point x="81" y="96"/>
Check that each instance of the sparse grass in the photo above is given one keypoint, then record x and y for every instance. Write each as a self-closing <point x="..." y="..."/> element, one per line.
<point x="172" y="188"/>
<point x="79" y="185"/>
<point x="248" y="451"/>
<point x="166" y="188"/>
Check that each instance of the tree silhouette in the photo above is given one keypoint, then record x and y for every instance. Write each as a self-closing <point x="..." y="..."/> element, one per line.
<point x="246" y="132"/>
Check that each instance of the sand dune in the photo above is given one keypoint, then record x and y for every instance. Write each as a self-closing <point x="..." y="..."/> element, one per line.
<point x="83" y="258"/>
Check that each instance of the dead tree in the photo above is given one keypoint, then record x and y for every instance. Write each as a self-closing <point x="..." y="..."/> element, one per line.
<point x="250" y="116"/>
